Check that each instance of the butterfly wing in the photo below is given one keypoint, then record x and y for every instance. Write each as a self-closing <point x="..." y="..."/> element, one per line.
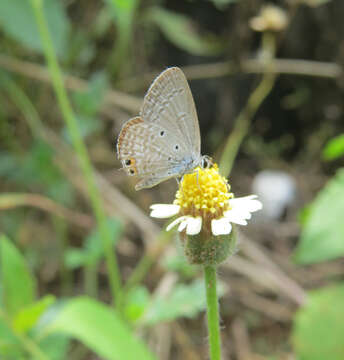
<point x="164" y="141"/>
<point x="144" y="151"/>
<point x="169" y="102"/>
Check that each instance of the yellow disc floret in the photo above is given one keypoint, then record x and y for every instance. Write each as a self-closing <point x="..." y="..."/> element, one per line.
<point x="203" y="193"/>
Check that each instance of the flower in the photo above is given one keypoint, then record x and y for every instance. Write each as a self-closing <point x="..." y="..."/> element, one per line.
<point x="207" y="212"/>
<point x="203" y="199"/>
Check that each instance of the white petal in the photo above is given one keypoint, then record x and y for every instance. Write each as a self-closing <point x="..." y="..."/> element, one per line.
<point x="248" y="203"/>
<point x="175" y="222"/>
<point x="194" y="225"/>
<point x="236" y="217"/>
<point x="183" y="225"/>
<point x="240" y="212"/>
<point x="163" y="211"/>
<point x="220" y="226"/>
<point x="241" y="209"/>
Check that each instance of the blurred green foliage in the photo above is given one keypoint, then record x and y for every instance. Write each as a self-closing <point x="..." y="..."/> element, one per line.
<point x="186" y="37"/>
<point x="96" y="325"/>
<point x="334" y="148"/>
<point x="100" y="328"/>
<point x="36" y="168"/>
<point x="323" y="230"/>
<point x="20" y="310"/>
<point x="183" y="301"/>
<point x="18" y="21"/>
<point x="92" y="251"/>
<point x="323" y="316"/>
<point x="39" y="325"/>
<point x="15" y="275"/>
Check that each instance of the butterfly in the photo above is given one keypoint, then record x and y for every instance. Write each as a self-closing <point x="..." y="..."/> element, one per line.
<point x="164" y="140"/>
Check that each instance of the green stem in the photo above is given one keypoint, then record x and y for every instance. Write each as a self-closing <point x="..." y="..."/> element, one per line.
<point x="91" y="280"/>
<point x="243" y="121"/>
<point x="80" y="148"/>
<point x="212" y="313"/>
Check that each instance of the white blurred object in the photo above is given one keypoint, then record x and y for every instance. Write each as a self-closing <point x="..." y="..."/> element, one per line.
<point x="276" y="190"/>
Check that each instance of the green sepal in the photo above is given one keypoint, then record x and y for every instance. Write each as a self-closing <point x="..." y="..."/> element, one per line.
<point x="208" y="249"/>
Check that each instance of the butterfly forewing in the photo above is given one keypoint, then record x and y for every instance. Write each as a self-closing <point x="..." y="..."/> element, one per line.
<point x="169" y="102"/>
<point x="164" y="141"/>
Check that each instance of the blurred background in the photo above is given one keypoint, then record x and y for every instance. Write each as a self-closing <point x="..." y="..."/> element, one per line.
<point x="268" y="84"/>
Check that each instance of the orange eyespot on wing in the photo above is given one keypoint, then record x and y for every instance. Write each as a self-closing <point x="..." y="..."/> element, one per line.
<point x="129" y="162"/>
<point x="129" y="165"/>
<point x="132" y="171"/>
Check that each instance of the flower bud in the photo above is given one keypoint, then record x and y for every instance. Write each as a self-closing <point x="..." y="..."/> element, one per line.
<point x="270" y="18"/>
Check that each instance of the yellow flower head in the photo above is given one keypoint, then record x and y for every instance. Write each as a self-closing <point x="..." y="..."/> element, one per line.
<point x="203" y="193"/>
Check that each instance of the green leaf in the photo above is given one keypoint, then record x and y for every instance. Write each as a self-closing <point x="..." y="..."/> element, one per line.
<point x="18" y="287"/>
<point x="93" y="249"/>
<point x="101" y="329"/>
<point x="18" y="21"/>
<point x="9" y="344"/>
<point x="136" y="303"/>
<point x="323" y="233"/>
<point x="304" y="214"/>
<point x="319" y="326"/>
<point x="334" y="148"/>
<point x="183" y="301"/>
<point x="55" y="346"/>
<point x="181" y="31"/>
<point x="28" y="316"/>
